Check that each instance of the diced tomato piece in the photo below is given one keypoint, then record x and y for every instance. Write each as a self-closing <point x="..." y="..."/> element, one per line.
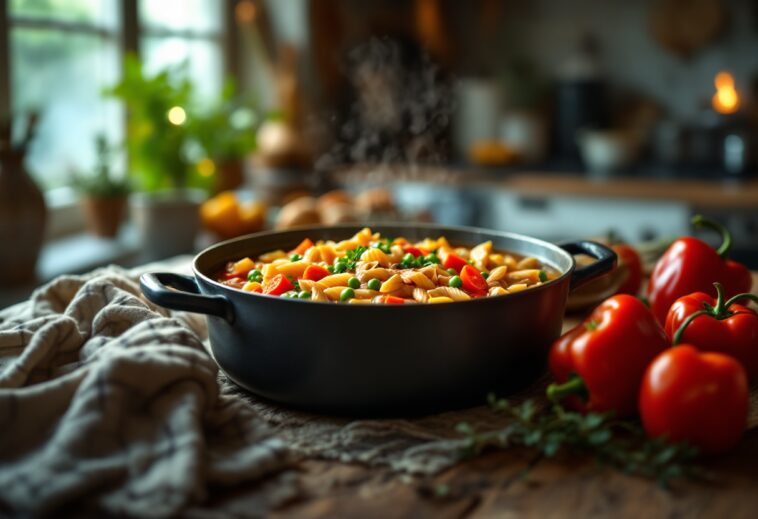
<point x="416" y="251"/>
<point x="315" y="272"/>
<point x="392" y="300"/>
<point x="304" y="246"/>
<point x="453" y="261"/>
<point x="473" y="281"/>
<point x="277" y="285"/>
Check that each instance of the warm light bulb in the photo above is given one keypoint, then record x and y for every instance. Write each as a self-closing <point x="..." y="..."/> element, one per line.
<point x="723" y="80"/>
<point x="726" y="100"/>
<point x="177" y="116"/>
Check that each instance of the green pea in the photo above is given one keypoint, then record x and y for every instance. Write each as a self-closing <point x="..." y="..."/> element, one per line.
<point x="289" y="294"/>
<point x="340" y="267"/>
<point x="330" y="268"/>
<point x="409" y="258"/>
<point x="543" y="276"/>
<point x="455" y="282"/>
<point x="296" y="257"/>
<point x="255" y="275"/>
<point x="346" y="294"/>
<point x="452" y="271"/>
<point x="431" y="258"/>
<point x="374" y="284"/>
<point x="485" y="275"/>
<point x="304" y="295"/>
<point x="354" y="283"/>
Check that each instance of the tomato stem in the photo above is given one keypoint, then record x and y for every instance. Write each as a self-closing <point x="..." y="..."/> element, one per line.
<point x="573" y="386"/>
<point x="736" y="298"/>
<point x="719" y="311"/>
<point x="680" y="331"/>
<point x="726" y="236"/>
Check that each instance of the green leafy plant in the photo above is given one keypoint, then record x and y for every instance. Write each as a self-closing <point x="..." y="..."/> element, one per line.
<point x="102" y="183"/>
<point x="158" y="134"/>
<point x="226" y="130"/>
<point x="173" y="140"/>
<point x="551" y="429"/>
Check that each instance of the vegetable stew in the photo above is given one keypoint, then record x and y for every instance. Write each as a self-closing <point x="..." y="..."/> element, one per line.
<point x="370" y="268"/>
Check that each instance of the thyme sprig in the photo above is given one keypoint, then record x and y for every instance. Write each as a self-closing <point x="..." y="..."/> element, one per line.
<point x="550" y="429"/>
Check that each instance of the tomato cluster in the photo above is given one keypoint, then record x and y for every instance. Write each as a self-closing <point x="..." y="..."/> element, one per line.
<point x="687" y="381"/>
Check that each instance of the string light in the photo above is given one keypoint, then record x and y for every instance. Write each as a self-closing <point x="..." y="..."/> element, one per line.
<point x="177" y="116"/>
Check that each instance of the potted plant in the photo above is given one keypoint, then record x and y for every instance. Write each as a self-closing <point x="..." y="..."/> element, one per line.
<point x="104" y="196"/>
<point x="225" y="133"/>
<point x="170" y="188"/>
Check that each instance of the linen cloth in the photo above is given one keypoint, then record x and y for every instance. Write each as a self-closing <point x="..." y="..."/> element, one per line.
<point x="110" y="404"/>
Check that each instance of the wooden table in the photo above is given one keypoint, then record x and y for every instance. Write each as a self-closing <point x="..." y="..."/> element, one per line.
<point x="521" y="483"/>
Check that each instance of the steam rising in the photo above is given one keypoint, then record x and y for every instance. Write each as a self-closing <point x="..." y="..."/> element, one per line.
<point x="401" y="113"/>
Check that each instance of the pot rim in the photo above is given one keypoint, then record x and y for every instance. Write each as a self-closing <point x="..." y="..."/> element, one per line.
<point x="315" y="228"/>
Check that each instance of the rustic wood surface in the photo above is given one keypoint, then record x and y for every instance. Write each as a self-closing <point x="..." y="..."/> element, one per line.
<point x="516" y="483"/>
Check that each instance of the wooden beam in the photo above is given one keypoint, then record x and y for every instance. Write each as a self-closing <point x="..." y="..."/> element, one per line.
<point x="129" y="27"/>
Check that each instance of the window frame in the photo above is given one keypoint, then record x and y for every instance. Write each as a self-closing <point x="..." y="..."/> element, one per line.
<point x="66" y="219"/>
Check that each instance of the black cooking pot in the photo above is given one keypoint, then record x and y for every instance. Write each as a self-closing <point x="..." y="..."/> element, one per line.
<point x="379" y="359"/>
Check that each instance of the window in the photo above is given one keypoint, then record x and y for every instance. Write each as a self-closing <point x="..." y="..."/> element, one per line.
<point x="178" y="31"/>
<point x="63" y="53"/>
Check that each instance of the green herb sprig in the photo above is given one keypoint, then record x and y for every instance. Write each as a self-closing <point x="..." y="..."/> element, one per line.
<point x="384" y="245"/>
<point x="352" y="256"/>
<point x="550" y="429"/>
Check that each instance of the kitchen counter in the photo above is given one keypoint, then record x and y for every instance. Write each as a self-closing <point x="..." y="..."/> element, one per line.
<point x="700" y="194"/>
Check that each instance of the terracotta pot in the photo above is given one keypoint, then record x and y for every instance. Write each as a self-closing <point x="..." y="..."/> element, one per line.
<point x="103" y="215"/>
<point x="167" y="221"/>
<point x="230" y="175"/>
<point x="22" y="219"/>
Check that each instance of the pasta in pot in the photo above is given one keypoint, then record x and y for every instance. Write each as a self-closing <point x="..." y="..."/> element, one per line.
<point x="371" y="269"/>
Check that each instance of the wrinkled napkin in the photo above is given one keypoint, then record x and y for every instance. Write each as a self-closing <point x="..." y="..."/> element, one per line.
<point x="107" y="403"/>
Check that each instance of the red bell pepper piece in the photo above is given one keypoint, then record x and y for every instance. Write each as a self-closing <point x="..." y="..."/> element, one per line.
<point x="416" y="251"/>
<point x="700" y="398"/>
<point x="304" y="246"/>
<point x="603" y="359"/>
<point x="691" y="265"/>
<point x="630" y="258"/>
<point x="393" y="300"/>
<point x="717" y="325"/>
<point x="315" y="272"/>
<point x="453" y="261"/>
<point x="277" y="285"/>
<point x="473" y="281"/>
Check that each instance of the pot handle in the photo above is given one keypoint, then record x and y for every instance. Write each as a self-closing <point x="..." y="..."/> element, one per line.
<point x="179" y="292"/>
<point x="606" y="261"/>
